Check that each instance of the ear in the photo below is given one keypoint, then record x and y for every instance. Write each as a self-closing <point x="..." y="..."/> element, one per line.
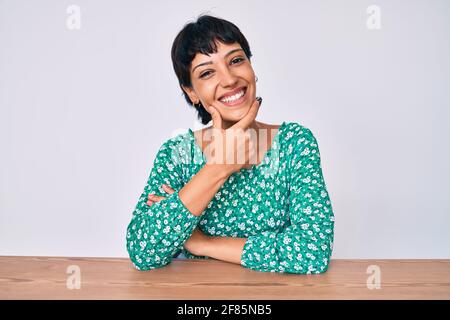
<point x="191" y="93"/>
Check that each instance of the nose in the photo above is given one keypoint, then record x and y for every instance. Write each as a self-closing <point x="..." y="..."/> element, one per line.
<point x="228" y="78"/>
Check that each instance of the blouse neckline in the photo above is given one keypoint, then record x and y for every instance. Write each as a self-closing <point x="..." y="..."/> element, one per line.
<point x="274" y="145"/>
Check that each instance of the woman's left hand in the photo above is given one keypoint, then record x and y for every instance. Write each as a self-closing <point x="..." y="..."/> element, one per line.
<point x="154" y="198"/>
<point x="198" y="241"/>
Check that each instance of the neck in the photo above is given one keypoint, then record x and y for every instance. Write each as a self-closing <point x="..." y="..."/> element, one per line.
<point x="254" y="125"/>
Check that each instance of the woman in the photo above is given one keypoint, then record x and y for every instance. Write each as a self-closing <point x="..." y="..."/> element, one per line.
<point x="268" y="211"/>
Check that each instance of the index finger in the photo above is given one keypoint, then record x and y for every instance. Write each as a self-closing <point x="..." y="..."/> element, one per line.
<point x="216" y="117"/>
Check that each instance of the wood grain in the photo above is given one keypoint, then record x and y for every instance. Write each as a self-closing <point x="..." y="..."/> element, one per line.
<point x="116" y="278"/>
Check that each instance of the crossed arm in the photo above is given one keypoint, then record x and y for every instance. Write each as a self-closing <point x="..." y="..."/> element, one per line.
<point x="227" y="249"/>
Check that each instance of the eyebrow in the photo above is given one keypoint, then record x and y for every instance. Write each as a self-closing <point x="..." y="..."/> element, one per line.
<point x="210" y="62"/>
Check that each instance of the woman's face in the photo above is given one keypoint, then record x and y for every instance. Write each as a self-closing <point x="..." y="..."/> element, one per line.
<point x="225" y="74"/>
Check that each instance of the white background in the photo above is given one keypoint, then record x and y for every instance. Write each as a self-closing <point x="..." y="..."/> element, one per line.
<point x="83" y="112"/>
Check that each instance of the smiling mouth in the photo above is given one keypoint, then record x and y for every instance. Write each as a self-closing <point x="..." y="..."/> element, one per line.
<point x="236" y="99"/>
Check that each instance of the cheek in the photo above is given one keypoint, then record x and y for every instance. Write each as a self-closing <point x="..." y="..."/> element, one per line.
<point x="248" y="73"/>
<point x="208" y="91"/>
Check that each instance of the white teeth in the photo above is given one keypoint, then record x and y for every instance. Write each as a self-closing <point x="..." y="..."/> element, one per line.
<point x="233" y="98"/>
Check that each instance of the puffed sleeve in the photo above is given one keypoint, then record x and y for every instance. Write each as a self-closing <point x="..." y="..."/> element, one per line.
<point x="304" y="247"/>
<point x="157" y="233"/>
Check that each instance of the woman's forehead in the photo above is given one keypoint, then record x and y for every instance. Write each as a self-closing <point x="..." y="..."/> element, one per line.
<point x="223" y="50"/>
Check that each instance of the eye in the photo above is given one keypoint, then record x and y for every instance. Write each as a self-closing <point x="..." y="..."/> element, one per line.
<point x="235" y="60"/>
<point x="204" y="74"/>
<point x="238" y="59"/>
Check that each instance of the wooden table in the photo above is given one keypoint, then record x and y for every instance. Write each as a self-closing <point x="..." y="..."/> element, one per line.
<point x="116" y="278"/>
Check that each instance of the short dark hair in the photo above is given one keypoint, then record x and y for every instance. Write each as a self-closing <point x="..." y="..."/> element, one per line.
<point x="200" y="36"/>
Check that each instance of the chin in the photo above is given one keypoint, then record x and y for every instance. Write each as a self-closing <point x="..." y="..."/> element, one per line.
<point x="235" y="114"/>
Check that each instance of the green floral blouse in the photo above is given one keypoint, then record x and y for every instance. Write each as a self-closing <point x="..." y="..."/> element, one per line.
<point x="281" y="206"/>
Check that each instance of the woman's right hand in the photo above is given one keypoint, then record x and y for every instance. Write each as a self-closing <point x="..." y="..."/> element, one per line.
<point x="238" y="154"/>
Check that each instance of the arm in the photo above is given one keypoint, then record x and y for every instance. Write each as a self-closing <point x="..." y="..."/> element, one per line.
<point x="227" y="249"/>
<point x="157" y="232"/>
<point x="305" y="246"/>
<point x="168" y="237"/>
